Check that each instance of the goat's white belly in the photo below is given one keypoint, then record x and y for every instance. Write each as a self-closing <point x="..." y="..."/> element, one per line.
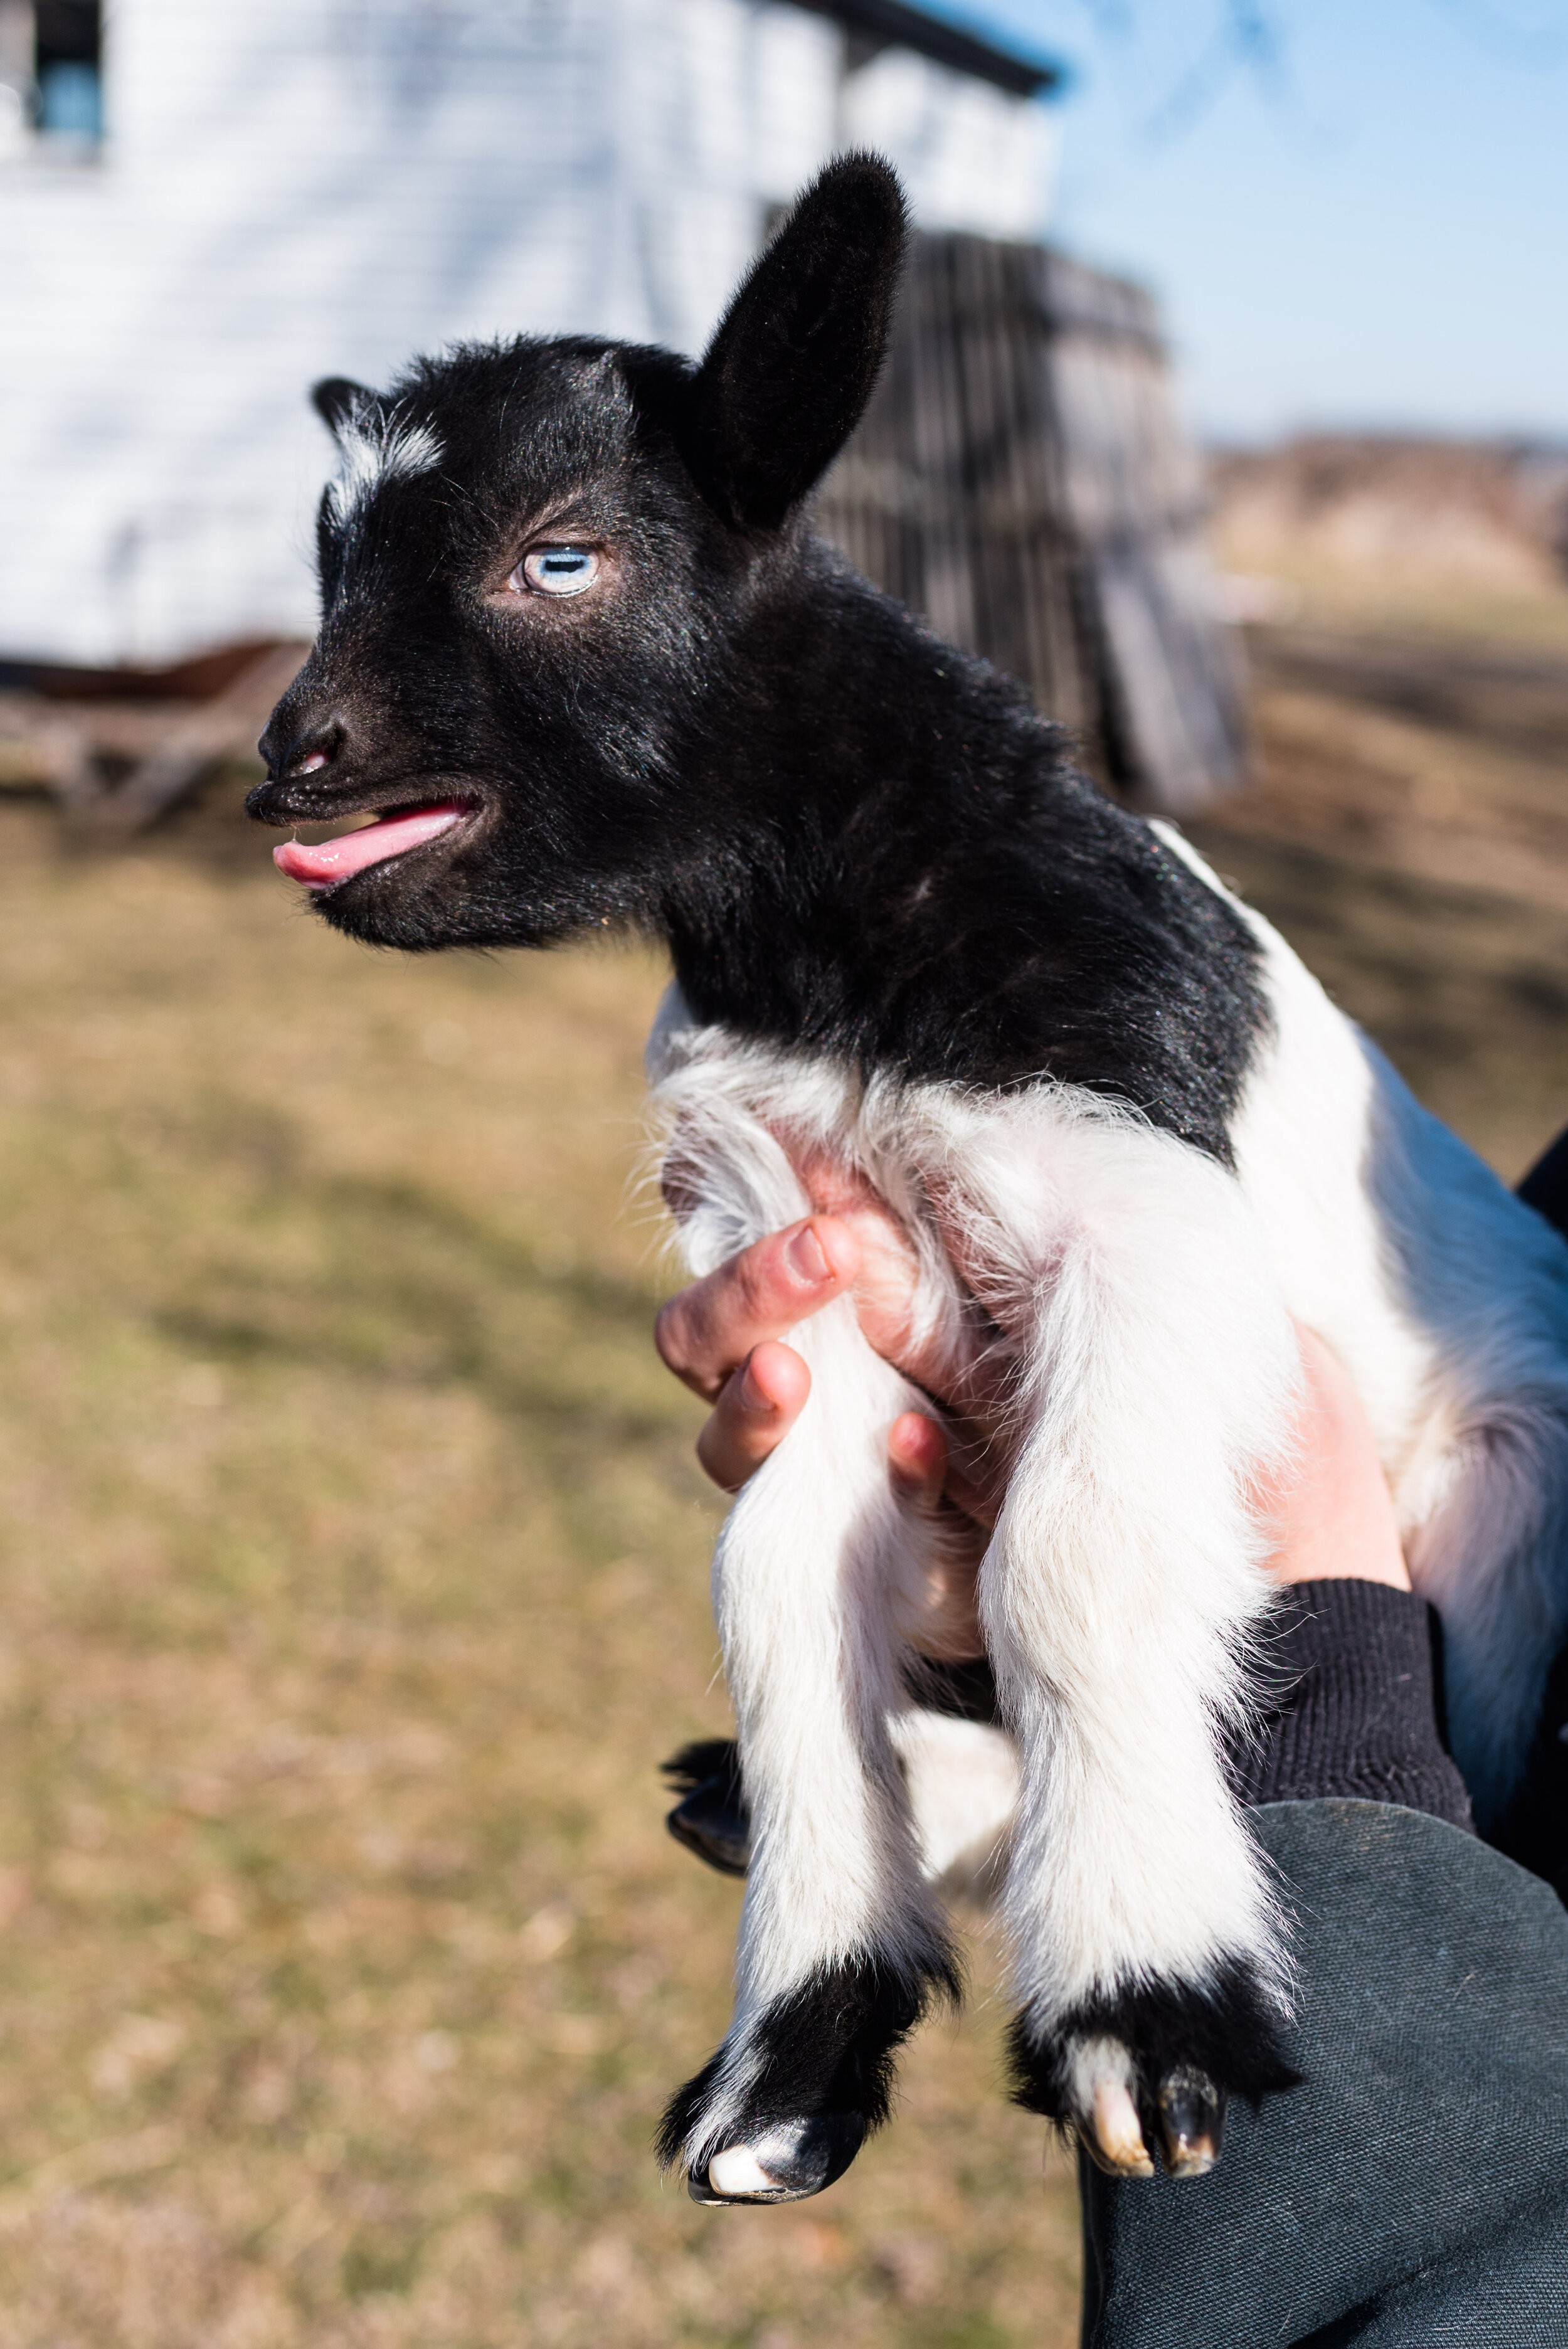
<point x="1440" y="1292"/>
<point x="1307" y="1144"/>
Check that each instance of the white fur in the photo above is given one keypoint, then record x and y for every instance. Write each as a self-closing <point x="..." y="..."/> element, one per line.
<point x="805" y="1587"/>
<point x="1159" y="1369"/>
<point x="372" y="449"/>
<point x="963" y="1783"/>
<point x="1096" y="2062"/>
<point x="805" y="1582"/>
<point x="1143" y="1298"/>
<point x="1154" y="1375"/>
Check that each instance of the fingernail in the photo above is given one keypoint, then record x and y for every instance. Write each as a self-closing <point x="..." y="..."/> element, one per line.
<point x="807" y="1258"/>
<point x="750" y="1397"/>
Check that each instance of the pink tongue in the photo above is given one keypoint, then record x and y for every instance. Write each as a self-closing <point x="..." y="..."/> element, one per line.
<point x="351" y="852"/>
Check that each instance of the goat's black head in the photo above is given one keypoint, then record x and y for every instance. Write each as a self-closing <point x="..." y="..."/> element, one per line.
<point x="540" y="566"/>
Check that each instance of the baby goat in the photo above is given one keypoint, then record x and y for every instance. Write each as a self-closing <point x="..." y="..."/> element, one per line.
<point x="584" y="660"/>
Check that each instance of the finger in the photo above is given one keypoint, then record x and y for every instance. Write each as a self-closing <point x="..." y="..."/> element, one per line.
<point x="760" y="1403"/>
<point x="943" y="1623"/>
<point x="974" y="1496"/>
<point x="927" y="1475"/>
<point x="917" y="1455"/>
<point x="708" y="1330"/>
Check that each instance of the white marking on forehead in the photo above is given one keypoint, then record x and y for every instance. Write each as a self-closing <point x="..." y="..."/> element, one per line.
<point x="373" y="449"/>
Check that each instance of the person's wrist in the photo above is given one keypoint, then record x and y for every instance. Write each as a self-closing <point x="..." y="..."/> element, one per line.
<point x="1332" y="1510"/>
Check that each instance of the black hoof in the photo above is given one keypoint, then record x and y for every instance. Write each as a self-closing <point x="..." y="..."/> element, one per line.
<point x="817" y="2070"/>
<point x="1191" y="2122"/>
<point x="786" y="2163"/>
<point x="1143" y="2077"/>
<point x="712" y="1819"/>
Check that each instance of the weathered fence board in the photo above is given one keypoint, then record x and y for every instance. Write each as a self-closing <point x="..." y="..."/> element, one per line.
<point x="161" y="749"/>
<point x="1022" y="480"/>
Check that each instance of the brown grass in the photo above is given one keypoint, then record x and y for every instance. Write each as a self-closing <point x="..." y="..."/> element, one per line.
<point x="356" y="1584"/>
<point x="356" y="1570"/>
<point x="1409" y="831"/>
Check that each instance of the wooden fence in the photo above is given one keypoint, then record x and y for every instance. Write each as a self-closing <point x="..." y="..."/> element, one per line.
<point x="1022" y="480"/>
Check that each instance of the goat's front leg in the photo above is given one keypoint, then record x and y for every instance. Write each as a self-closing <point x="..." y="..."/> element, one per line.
<point x="1117" y="1598"/>
<point x="841" y="1945"/>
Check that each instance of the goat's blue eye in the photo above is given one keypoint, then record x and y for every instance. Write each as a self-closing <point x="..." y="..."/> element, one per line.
<point x="560" y="570"/>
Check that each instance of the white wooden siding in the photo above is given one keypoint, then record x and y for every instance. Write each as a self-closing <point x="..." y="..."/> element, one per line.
<point x="321" y="187"/>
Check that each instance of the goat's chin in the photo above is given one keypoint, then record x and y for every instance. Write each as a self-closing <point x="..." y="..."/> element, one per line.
<point x="385" y="909"/>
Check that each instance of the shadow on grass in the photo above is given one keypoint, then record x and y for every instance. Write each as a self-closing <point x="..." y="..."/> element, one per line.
<point x="220" y="1236"/>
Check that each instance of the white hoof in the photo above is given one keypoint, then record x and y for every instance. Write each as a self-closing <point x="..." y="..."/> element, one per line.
<point x="739" y="2172"/>
<point x="785" y="2163"/>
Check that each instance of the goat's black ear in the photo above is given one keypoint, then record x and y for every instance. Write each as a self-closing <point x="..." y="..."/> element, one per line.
<point x="335" y="399"/>
<point x="785" y="379"/>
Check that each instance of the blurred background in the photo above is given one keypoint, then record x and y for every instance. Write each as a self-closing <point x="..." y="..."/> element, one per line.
<point x="353" y="1557"/>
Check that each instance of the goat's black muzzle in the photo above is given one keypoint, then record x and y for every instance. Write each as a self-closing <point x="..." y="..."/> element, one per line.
<point x="309" y="746"/>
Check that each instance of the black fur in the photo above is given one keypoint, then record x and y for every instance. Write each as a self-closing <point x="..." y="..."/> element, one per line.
<point x="965" y="1692"/>
<point x="851" y="836"/>
<point x="335" y="399"/>
<point x="713" y="1818"/>
<point x="1226" y="2029"/>
<point x="830" y="2048"/>
<point x="702" y="1762"/>
<point x="784" y="381"/>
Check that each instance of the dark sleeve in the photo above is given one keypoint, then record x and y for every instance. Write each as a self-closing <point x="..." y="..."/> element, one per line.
<point x="1352" y="1704"/>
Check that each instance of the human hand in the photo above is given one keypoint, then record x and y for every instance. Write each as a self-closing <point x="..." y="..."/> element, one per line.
<point x="722" y="1336"/>
<point x="1331" y="1507"/>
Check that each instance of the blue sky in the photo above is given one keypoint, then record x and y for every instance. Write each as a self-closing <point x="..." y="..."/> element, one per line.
<point x="1375" y="237"/>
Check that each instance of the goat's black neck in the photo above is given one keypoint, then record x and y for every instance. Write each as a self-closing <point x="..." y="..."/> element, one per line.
<point x="913" y="876"/>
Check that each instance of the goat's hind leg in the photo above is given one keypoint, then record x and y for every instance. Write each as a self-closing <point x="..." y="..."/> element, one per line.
<point x="841" y="1943"/>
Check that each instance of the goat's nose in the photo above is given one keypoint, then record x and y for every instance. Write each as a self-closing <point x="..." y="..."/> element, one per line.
<point x="293" y="749"/>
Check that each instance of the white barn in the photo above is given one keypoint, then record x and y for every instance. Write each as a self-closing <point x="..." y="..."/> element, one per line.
<point x="218" y="202"/>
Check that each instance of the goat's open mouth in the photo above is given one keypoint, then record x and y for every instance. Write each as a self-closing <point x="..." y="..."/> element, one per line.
<point x="392" y="835"/>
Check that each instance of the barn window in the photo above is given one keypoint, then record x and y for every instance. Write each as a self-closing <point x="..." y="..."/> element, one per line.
<point x="67" y="76"/>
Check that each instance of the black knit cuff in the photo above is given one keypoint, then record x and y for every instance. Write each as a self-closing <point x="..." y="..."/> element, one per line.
<point x="1352" y="1695"/>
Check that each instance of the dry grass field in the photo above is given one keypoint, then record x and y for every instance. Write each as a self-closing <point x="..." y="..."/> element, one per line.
<point x="355" y="1572"/>
<point x="354" y="1585"/>
<point x="1409" y="831"/>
